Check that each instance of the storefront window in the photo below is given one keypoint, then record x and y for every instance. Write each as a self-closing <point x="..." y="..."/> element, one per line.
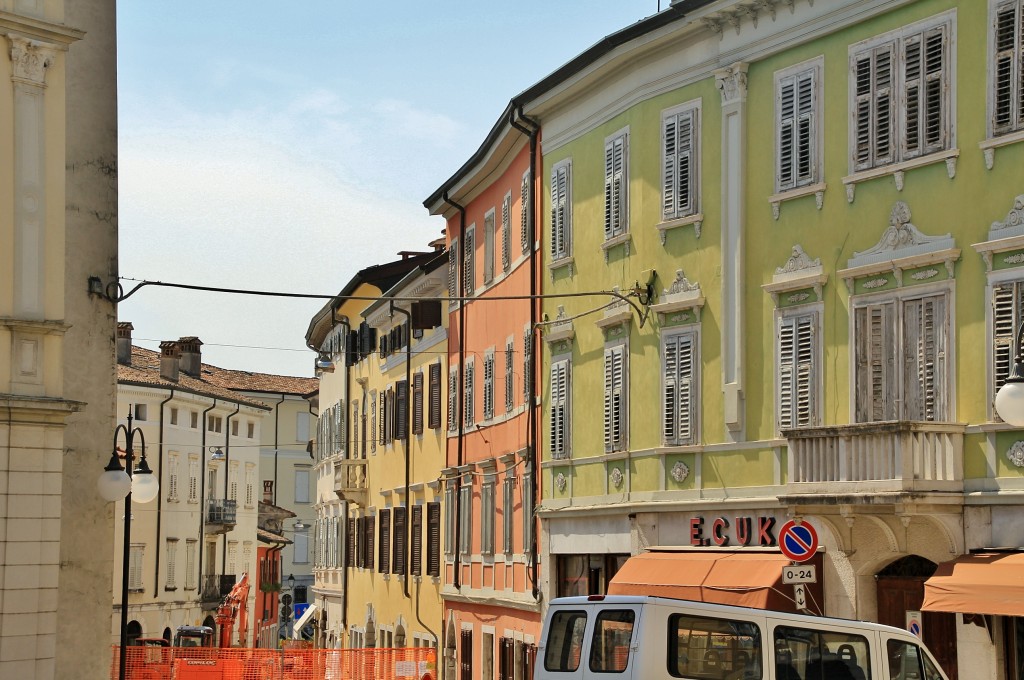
<point x="1014" y="630"/>
<point x="586" y="574"/>
<point x="906" y="662"/>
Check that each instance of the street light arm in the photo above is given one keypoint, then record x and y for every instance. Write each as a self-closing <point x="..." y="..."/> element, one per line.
<point x="1010" y="398"/>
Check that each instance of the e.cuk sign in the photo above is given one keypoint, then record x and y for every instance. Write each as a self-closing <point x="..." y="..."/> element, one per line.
<point x="745" y="531"/>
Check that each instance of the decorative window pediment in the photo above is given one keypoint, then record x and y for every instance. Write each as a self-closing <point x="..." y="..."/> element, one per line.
<point x="681" y="296"/>
<point x="902" y="247"/>
<point x="561" y="329"/>
<point x="799" y="273"/>
<point x="618" y="313"/>
<point x="1005" y="235"/>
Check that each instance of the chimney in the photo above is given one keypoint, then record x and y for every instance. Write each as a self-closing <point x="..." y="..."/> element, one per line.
<point x="191" y="355"/>
<point x="268" y="491"/>
<point x="169" y="353"/>
<point x="124" y="343"/>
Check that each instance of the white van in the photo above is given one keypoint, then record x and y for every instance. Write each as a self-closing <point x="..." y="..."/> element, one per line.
<point x="647" y="638"/>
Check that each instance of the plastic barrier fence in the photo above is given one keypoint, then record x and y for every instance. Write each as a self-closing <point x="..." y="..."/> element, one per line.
<point x="211" y="663"/>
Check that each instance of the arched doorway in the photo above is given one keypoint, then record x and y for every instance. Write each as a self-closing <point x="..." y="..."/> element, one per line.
<point x="209" y="621"/>
<point x="167" y="635"/>
<point x="901" y="589"/>
<point x="134" y="632"/>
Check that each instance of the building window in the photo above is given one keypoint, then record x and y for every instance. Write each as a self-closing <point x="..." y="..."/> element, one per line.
<point x="561" y="408"/>
<point x="233" y="481"/>
<point x="301" y="485"/>
<point x="302" y="427"/>
<point x="399" y="550"/>
<point x="561" y="210"/>
<point x="506" y="232"/>
<point x="416" y="553"/>
<point x="527" y="514"/>
<point x="467" y="398"/>
<point x="615" y="401"/>
<point x="453" y="272"/>
<point x="434" y="395"/>
<point x="373" y="422"/>
<point x="468" y="258"/>
<point x="363" y="419"/>
<point x="250" y="429"/>
<point x="250" y="485"/>
<point x="797" y="362"/>
<point x="901" y="106"/>
<point x="193" y="479"/>
<point x="172" y="564"/>
<point x="194" y="420"/>
<point x="190" y="564"/>
<point x="355" y="428"/>
<point x="798" y="126"/>
<point x="214" y="423"/>
<point x="384" y="542"/>
<point x="586" y="574"/>
<point x="141" y="411"/>
<point x="680" y="132"/>
<point x="508" y="502"/>
<point x="232" y="565"/>
<point x="466" y="515"/>
<point x="174" y="415"/>
<point x="524" y="212"/>
<point x="487" y="513"/>
<point x="1007" y="312"/>
<point x="401" y="410"/>
<point x="300" y="549"/>
<point x="489" y="246"/>
<point x="616" y="185"/>
<point x="901" y="358"/>
<point x="234" y="428"/>
<point x="433" y="539"/>
<point x="453" y="398"/>
<point x="527" y="364"/>
<point x="1008" y="67"/>
<point x="679" y="371"/>
<point x="136" y="552"/>
<point x="172" y="476"/>
<point x="510" y="375"/>
<point x="450" y="519"/>
<point x="489" y="384"/>
<point x="417" y="403"/>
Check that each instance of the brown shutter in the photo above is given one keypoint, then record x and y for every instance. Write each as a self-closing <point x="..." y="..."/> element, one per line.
<point x="434" y="539"/>
<point x="416" y="558"/>
<point x="434" y="415"/>
<point x="402" y="410"/>
<point x="417" y="403"/>
<point x="466" y="655"/>
<point x="350" y="556"/>
<point x="400" y="540"/>
<point x="370" y="535"/>
<point x="384" y="545"/>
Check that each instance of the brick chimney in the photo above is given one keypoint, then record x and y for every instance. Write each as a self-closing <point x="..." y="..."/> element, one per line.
<point x="124" y="343"/>
<point x="191" y="355"/>
<point x="169" y="353"/>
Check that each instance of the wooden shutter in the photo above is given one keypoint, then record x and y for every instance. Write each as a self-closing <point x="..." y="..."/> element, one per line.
<point x="614" y="398"/>
<point x="506" y="658"/>
<point x="466" y="655"/>
<point x="434" y="539"/>
<point x="524" y="212"/>
<point x="383" y="420"/>
<point x="678" y="389"/>
<point x="453" y="270"/>
<point x="678" y="180"/>
<point x="400" y="539"/>
<point x="135" y="568"/>
<point x="370" y="536"/>
<point x="434" y="396"/>
<point x="559" y="397"/>
<point x="796" y="136"/>
<point x="508" y="503"/>
<point x="350" y="543"/>
<point x="559" y="211"/>
<point x="923" y="83"/>
<point x="614" y="187"/>
<point x="924" y="359"/>
<point x="1008" y="68"/>
<point x="527" y="367"/>
<point x="384" y="541"/>
<point x="489" y="247"/>
<point x="468" y="278"/>
<point x="874" y="105"/>
<point x="417" y="403"/>
<point x="506" y="233"/>
<point x="876" y="379"/>
<point x="510" y="397"/>
<point x="796" y="371"/>
<point x="416" y="554"/>
<point x="467" y="399"/>
<point x="488" y="386"/>
<point x="453" y="399"/>
<point x="401" y="409"/>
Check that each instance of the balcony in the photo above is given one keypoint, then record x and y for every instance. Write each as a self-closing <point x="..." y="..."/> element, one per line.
<point x="216" y="587"/>
<point x="220" y="515"/>
<point x="350" y="481"/>
<point x="883" y="458"/>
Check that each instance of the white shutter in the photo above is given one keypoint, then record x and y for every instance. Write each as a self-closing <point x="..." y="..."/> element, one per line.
<point x="805" y="378"/>
<point x="135" y="556"/>
<point x="559" y="212"/>
<point x="874" y="106"/>
<point x="467" y="398"/>
<point x="489" y="247"/>
<point x="524" y="212"/>
<point x="489" y="386"/>
<point x="615" y="187"/>
<point x="468" y="277"/>
<point x="796" y="343"/>
<point x="506" y="233"/>
<point x="678" y="384"/>
<point x="679" y="145"/>
<point x="509" y="375"/>
<point x="670" y="389"/>
<point x="614" y="399"/>
<point x="1008" y="68"/>
<point x="453" y="269"/>
<point x="924" y="57"/>
<point x="453" y="399"/>
<point x="670" y="145"/>
<point x="190" y="564"/>
<point x="876" y="378"/>
<point x="796" y="125"/>
<point x="1007" y="307"/>
<point x="559" y="396"/>
<point x="924" y="343"/>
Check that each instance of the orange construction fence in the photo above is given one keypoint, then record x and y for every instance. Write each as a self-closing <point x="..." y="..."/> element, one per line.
<point x="214" y="663"/>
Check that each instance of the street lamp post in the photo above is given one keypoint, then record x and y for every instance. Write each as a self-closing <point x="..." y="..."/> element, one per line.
<point x="116" y="483"/>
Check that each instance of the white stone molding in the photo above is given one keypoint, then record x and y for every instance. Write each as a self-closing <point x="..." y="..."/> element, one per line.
<point x="1004" y="235"/>
<point x="30" y="59"/>
<point x="618" y="313"/>
<point x="560" y="481"/>
<point x="988" y="147"/>
<point x="664" y="227"/>
<point x="680" y="472"/>
<point x="681" y="294"/>
<point x="776" y="200"/>
<point x="799" y="272"/>
<point x="898" y="170"/>
<point x="1015" y="454"/>
<point x="617" y="478"/>
<point x="559" y="329"/>
<point x="902" y="246"/>
<point x="731" y="82"/>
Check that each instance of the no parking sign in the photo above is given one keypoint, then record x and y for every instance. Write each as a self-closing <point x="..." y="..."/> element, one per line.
<point x="914" y="623"/>
<point x="798" y="541"/>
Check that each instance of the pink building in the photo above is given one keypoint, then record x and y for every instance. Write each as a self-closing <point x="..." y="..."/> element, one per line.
<point x="491" y="481"/>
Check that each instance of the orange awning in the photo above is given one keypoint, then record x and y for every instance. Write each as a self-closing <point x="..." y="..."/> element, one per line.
<point x="744" y="579"/>
<point x="980" y="583"/>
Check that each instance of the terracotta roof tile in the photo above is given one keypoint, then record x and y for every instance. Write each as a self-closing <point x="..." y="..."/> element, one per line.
<point x="258" y="382"/>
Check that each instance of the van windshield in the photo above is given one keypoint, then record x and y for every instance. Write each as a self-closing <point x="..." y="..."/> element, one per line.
<point x="565" y="641"/>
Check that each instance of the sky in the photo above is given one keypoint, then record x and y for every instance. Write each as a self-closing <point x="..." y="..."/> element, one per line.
<point x="285" y="146"/>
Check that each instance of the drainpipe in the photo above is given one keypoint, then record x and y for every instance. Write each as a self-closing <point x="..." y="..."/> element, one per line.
<point x="203" y="506"/>
<point x="159" y="496"/>
<point x="459" y="397"/>
<point x="531" y="441"/>
<point x="277" y="426"/>
<point x="408" y="444"/>
<point x="227" y="481"/>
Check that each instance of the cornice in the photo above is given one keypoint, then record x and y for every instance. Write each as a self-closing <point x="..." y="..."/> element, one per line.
<point x="38" y="29"/>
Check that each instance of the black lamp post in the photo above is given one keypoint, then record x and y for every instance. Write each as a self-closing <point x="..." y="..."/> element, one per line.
<point x="116" y="483"/>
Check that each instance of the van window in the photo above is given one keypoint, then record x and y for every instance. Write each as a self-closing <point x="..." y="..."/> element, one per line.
<point x="713" y="649"/>
<point x="906" y="662"/>
<point x="613" y="631"/>
<point x="565" y="641"/>
<point x="804" y="654"/>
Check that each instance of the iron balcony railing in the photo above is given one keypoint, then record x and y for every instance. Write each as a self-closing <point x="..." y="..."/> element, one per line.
<point x="221" y="511"/>
<point x="217" y="586"/>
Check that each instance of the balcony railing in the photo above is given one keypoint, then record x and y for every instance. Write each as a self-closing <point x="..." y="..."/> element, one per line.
<point x="882" y="457"/>
<point x="220" y="513"/>
<point x="217" y="586"/>
<point x="350" y="481"/>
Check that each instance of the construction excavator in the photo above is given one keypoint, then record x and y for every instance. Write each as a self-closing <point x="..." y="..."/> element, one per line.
<point x="232" y="610"/>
